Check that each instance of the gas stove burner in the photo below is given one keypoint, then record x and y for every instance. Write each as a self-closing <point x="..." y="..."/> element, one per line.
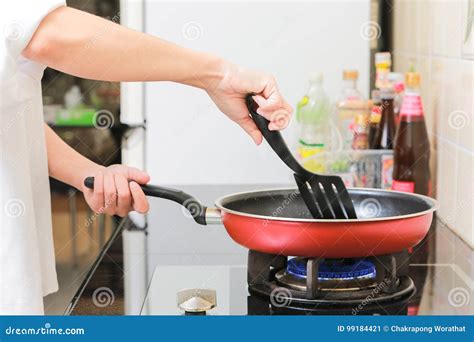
<point x="314" y="284"/>
<point x="333" y="274"/>
<point x="335" y="269"/>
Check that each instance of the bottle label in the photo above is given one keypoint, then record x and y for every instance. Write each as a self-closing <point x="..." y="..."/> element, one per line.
<point x="403" y="186"/>
<point x="412" y="105"/>
<point x="387" y="171"/>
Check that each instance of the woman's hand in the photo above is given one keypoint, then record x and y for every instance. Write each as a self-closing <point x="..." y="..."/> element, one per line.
<point x="229" y="95"/>
<point x="117" y="191"/>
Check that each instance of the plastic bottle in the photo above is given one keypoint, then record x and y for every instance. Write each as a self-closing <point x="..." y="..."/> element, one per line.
<point x="383" y="64"/>
<point x="351" y="104"/>
<point x="412" y="147"/>
<point x="313" y="116"/>
<point x="349" y="90"/>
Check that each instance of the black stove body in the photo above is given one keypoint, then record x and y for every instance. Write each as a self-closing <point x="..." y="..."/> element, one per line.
<point x="375" y="285"/>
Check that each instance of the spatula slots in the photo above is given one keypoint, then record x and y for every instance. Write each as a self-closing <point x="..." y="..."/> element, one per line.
<point x="325" y="196"/>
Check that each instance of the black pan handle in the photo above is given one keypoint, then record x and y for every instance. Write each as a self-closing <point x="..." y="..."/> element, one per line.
<point x="194" y="207"/>
<point x="274" y="138"/>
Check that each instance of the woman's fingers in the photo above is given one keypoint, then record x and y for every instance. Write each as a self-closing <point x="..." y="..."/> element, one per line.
<point x="98" y="193"/>
<point x="139" y="176"/>
<point x="275" y="110"/>
<point x="271" y="99"/>
<point x="262" y="103"/>
<point x="269" y="104"/>
<point x="140" y="203"/>
<point x="110" y="193"/>
<point x="117" y="192"/>
<point x="124" y="197"/>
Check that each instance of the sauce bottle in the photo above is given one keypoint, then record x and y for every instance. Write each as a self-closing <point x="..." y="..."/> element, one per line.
<point x="412" y="148"/>
<point x="396" y="81"/>
<point x="361" y="139"/>
<point x="374" y="117"/>
<point x="385" y="132"/>
<point x="374" y="122"/>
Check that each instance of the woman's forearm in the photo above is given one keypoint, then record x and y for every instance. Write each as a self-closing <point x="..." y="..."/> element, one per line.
<point x="64" y="163"/>
<point x="88" y="46"/>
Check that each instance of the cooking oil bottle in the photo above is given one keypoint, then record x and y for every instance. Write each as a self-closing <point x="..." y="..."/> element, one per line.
<point x="313" y="116"/>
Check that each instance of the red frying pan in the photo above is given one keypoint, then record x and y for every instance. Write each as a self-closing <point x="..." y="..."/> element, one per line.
<point x="277" y="221"/>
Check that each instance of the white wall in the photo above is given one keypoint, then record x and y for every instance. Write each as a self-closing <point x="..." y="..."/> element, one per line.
<point x="430" y="36"/>
<point x="188" y="140"/>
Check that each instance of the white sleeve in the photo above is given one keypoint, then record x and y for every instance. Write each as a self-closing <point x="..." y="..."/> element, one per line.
<point x="19" y="20"/>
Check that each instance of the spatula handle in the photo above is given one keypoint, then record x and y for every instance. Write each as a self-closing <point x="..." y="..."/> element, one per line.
<point x="274" y="138"/>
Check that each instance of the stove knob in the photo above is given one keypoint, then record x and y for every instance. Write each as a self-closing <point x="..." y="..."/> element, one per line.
<point x="196" y="301"/>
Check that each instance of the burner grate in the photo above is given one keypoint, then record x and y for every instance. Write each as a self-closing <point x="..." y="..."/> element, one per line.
<point x="319" y="282"/>
<point x="340" y="269"/>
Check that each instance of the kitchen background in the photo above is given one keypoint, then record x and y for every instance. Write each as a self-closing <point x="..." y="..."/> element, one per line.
<point x="434" y="37"/>
<point x="160" y="126"/>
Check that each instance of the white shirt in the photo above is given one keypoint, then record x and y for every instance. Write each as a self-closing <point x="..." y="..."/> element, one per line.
<point x="27" y="265"/>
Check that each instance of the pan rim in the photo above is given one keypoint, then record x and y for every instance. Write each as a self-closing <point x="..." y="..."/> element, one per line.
<point x="434" y="205"/>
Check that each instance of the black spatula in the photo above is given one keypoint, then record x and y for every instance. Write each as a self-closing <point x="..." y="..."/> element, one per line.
<point x="325" y="196"/>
